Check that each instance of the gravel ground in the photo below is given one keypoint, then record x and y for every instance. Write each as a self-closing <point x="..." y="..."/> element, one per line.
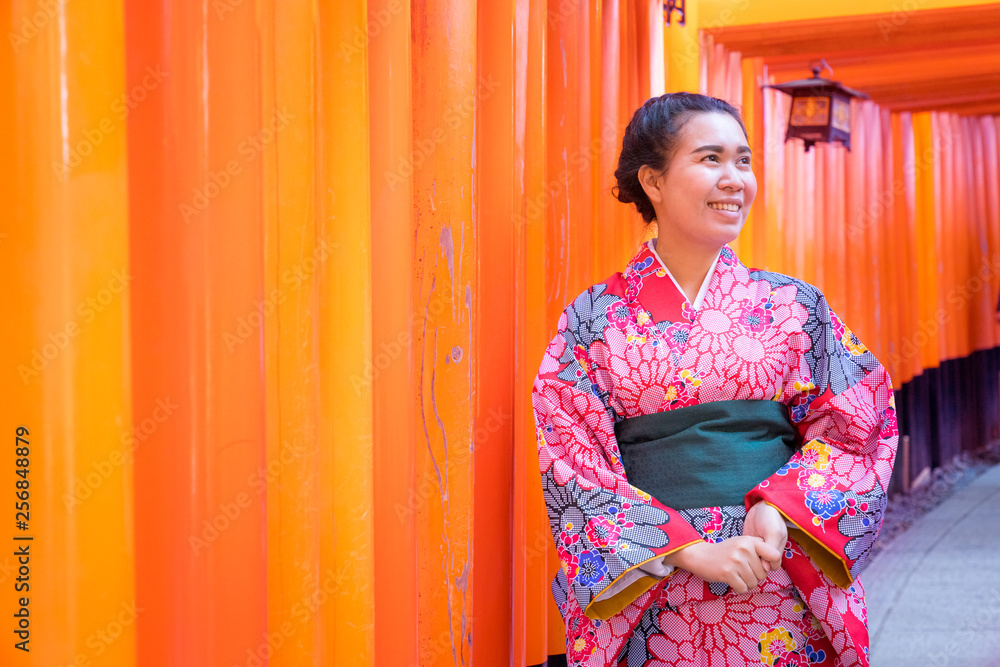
<point x="905" y="508"/>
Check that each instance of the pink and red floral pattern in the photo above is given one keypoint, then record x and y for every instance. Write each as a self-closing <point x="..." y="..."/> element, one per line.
<point x="633" y="346"/>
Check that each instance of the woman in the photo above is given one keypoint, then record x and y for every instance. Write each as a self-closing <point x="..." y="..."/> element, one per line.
<point x="714" y="442"/>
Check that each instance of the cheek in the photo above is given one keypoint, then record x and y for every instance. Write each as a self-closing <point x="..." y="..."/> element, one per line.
<point x="750" y="187"/>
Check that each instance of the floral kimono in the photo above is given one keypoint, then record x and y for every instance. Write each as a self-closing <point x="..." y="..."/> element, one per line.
<point x="634" y="345"/>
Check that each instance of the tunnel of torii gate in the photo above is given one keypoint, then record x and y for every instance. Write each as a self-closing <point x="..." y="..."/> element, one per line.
<point x="281" y="274"/>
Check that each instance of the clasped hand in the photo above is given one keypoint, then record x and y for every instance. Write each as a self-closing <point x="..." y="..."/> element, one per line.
<point x="741" y="562"/>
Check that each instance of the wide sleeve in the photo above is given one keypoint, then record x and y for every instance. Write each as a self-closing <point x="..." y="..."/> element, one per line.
<point x="833" y="490"/>
<point x="611" y="537"/>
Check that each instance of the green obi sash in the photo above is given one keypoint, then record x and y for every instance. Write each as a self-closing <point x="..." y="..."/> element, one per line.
<point x="706" y="455"/>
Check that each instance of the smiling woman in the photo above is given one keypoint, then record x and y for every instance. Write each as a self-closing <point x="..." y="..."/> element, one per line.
<point x="715" y="444"/>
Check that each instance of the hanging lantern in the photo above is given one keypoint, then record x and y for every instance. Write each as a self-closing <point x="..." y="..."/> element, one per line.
<point x="821" y="109"/>
<point x="671" y="6"/>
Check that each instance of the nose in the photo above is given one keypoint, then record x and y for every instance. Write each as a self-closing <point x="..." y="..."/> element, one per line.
<point x="730" y="178"/>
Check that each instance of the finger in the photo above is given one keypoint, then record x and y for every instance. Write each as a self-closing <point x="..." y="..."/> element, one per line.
<point x="737" y="584"/>
<point x="741" y="564"/>
<point x="757" y="569"/>
<point x="778" y="545"/>
<point x="773" y="557"/>
<point x="768" y="553"/>
<point x="777" y="536"/>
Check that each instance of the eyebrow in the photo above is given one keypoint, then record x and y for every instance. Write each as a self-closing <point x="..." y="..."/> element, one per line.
<point x="719" y="149"/>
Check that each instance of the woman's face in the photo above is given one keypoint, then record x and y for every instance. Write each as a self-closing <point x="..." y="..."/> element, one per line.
<point x="704" y="196"/>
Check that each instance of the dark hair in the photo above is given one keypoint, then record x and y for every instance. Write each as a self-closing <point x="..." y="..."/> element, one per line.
<point x="651" y="138"/>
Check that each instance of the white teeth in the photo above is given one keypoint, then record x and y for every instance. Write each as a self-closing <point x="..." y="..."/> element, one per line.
<point x="725" y="207"/>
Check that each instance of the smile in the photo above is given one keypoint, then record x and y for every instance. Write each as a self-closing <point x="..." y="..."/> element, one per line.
<point x="725" y="207"/>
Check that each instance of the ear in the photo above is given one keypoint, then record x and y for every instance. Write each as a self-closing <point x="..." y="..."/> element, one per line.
<point x="650" y="182"/>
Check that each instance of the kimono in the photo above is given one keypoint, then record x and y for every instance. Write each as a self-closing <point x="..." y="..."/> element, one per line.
<point x="634" y="345"/>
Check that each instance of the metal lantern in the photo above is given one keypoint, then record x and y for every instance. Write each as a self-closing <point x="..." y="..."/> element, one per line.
<point x="671" y="6"/>
<point x="821" y="109"/>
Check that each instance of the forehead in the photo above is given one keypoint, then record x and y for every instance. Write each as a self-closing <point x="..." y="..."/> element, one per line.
<point x="712" y="128"/>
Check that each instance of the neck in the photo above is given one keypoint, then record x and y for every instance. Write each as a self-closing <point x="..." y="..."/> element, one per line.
<point x="687" y="264"/>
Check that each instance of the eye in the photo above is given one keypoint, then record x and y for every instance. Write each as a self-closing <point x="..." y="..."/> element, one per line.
<point x="745" y="159"/>
<point x="711" y="157"/>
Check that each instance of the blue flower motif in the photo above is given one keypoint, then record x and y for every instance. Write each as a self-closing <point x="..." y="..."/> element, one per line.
<point x="826" y="504"/>
<point x="799" y="411"/>
<point x="814" y="655"/>
<point x="791" y="465"/>
<point x="592" y="568"/>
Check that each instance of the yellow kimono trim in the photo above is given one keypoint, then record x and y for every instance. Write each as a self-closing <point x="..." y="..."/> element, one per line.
<point x="602" y="610"/>
<point x="832" y="565"/>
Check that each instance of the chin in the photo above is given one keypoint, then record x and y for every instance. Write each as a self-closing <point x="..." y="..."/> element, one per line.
<point x="726" y="235"/>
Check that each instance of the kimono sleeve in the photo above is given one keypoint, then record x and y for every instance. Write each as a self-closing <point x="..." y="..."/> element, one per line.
<point x="611" y="537"/>
<point x="834" y="488"/>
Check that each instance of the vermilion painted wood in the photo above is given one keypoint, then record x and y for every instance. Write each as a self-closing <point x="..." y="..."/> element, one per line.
<point x="66" y="372"/>
<point x="496" y="283"/>
<point x="532" y="225"/>
<point x="447" y="254"/>
<point x="901" y="369"/>
<point x="394" y="391"/>
<point x="611" y="215"/>
<point x="924" y="148"/>
<point x="847" y="28"/>
<point x="343" y="208"/>
<point x="194" y="191"/>
<point x="991" y="164"/>
<point x="297" y="254"/>
<point x="981" y="309"/>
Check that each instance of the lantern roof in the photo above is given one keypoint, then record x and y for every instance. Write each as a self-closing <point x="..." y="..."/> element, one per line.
<point x="816" y="84"/>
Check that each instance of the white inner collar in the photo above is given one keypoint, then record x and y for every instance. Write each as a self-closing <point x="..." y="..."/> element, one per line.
<point x="696" y="304"/>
